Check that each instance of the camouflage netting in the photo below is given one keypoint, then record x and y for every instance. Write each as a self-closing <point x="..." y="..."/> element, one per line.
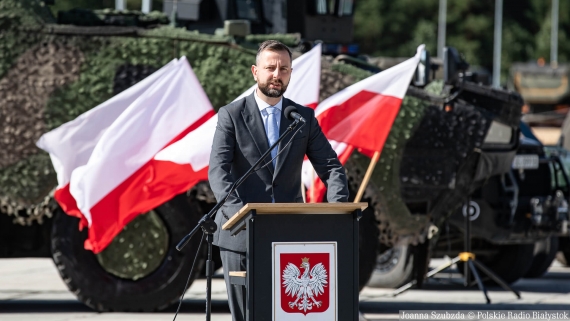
<point x="50" y="74"/>
<point x="110" y="17"/>
<point x="26" y="177"/>
<point x="334" y="79"/>
<point x="290" y="40"/>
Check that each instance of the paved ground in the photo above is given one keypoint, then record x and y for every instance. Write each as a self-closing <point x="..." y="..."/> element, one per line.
<point x="30" y="289"/>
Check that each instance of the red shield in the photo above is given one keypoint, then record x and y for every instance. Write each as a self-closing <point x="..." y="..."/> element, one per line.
<point x="304" y="294"/>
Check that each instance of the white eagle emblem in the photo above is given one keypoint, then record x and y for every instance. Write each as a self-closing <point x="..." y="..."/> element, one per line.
<point x="307" y="287"/>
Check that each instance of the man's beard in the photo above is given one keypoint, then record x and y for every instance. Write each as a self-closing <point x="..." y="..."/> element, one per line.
<point x="272" y="92"/>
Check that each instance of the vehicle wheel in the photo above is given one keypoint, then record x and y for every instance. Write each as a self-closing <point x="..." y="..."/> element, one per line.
<point x="510" y="264"/>
<point x="564" y="247"/>
<point x="140" y="270"/>
<point x="542" y="260"/>
<point x="393" y="269"/>
<point x="368" y="247"/>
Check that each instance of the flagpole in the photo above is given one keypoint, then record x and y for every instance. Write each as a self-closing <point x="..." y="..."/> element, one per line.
<point x="303" y="192"/>
<point x="367" y="176"/>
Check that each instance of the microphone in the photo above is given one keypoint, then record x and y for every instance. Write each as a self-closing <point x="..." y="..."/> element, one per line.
<point x="292" y="114"/>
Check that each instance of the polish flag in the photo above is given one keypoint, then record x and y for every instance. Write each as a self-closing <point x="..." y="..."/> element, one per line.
<point x="71" y="144"/>
<point x="105" y="162"/>
<point x="361" y="116"/>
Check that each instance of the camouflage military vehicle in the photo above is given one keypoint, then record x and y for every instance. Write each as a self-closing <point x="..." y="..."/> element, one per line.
<point x="440" y="149"/>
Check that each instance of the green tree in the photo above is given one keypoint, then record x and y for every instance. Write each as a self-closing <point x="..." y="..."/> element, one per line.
<point x="396" y="28"/>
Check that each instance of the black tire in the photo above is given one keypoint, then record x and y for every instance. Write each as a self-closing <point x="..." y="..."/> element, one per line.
<point x="368" y="247"/>
<point x="510" y="264"/>
<point x="103" y="291"/>
<point x="542" y="261"/>
<point x="394" y="267"/>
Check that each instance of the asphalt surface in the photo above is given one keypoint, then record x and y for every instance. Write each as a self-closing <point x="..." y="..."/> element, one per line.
<point x="31" y="289"/>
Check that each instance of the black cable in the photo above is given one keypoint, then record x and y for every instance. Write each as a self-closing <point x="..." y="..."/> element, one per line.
<point x="189" y="276"/>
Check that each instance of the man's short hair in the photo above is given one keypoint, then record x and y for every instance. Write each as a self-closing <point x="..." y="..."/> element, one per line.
<point x="272" y="45"/>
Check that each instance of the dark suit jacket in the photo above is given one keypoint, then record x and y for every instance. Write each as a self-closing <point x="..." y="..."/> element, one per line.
<point x="239" y="142"/>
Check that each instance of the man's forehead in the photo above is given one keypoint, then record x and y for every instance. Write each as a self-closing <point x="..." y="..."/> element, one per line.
<point x="273" y="56"/>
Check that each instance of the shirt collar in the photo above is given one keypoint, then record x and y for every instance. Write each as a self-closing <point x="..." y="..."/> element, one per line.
<point x="262" y="104"/>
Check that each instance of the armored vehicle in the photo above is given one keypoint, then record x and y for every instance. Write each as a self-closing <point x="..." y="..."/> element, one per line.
<point x="447" y="140"/>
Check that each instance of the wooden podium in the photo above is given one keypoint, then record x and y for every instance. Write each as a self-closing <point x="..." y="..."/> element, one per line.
<point x="302" y="260"/>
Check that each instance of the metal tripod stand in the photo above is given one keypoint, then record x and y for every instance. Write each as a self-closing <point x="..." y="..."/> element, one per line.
<point x="470" y="265"/>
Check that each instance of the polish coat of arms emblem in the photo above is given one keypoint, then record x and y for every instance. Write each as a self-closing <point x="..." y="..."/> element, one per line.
<point x="305" y="280"/>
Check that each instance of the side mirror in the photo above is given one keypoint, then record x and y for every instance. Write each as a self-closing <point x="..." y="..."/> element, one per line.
<point x="421" y="76"/>
<point x="453" y="65"/>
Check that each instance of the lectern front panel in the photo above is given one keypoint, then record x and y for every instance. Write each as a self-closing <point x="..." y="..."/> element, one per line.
<point x="304" y="279"/>
<point x="337" y="231"/>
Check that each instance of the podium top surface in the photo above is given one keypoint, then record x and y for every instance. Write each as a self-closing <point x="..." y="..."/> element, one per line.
<point x="295" y="208"/>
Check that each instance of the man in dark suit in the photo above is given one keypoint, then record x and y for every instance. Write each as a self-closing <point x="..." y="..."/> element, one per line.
<point x="246" y="128"/>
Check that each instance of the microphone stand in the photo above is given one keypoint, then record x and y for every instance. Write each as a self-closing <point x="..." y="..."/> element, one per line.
<point x="209" y="227"/>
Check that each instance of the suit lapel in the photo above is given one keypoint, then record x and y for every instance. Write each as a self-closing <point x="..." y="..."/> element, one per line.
<point x="284" y="123"/>
<point x="254" y="124"/>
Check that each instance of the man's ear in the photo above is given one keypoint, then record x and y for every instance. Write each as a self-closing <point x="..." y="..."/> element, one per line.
<point x="254" y="72"/>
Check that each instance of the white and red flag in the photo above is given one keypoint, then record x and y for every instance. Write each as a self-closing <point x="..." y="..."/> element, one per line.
<point x="107" y="174"/>
<point x="361" y="116"/>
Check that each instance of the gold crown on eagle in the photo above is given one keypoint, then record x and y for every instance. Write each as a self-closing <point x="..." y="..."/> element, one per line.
<point x="305" y="260"/>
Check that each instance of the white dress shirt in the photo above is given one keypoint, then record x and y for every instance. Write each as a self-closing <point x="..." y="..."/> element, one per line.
<point x="262" y="105"/>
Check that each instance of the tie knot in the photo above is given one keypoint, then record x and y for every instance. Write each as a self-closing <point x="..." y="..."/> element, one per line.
<point x="271" y="110"/>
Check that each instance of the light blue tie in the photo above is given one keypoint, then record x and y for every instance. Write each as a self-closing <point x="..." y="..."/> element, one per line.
<point x="272" y="129"/>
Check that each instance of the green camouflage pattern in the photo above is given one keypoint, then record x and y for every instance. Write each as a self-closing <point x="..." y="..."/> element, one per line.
<point x="50" y="74"/>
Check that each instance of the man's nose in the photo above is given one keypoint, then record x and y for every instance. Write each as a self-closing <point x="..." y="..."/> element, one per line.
<point x="277" y="73"/>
